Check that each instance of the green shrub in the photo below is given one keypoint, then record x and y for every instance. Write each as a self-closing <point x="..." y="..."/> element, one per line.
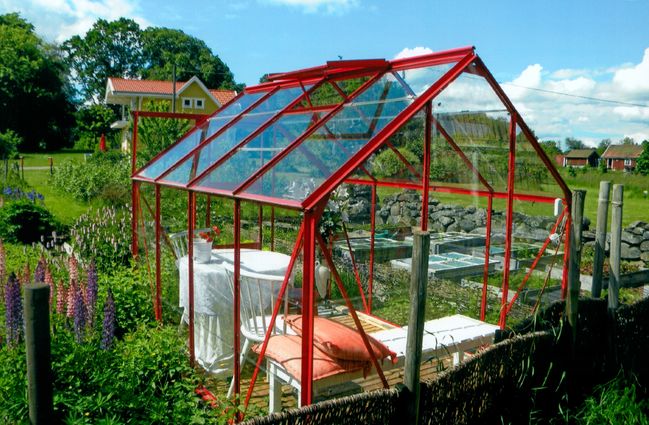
<point x="615" y="402"/>
<point x="86" y="181"/>
<point x="9" y="141"/>
<point x="13" y="396"/>
<point x="24" y="221"/>
<point x="388" y="164"/>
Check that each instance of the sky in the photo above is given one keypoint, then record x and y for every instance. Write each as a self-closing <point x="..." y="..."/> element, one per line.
<point x="595" y="52"/>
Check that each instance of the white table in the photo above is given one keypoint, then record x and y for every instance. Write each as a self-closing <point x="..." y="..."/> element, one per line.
<point x="213" y="315"/>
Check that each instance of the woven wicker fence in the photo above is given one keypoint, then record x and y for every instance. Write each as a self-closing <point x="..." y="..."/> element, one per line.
<point x="525" y="376"/>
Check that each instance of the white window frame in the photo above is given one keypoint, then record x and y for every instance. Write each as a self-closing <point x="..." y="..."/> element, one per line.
<point x="628" y="162"/>
<point x="188" y="102"/>
<point x="197" y="101"/>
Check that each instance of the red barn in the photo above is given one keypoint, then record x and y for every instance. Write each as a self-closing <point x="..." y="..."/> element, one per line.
<point x="581" y="158"/>
<point x="622" y="157"/>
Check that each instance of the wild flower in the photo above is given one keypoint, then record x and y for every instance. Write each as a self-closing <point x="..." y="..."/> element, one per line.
<point x="79" y="313"/>
<point x="73" y="268"/>
<point x="90" y="295"/>
<point x="3" y="268"/>
<point x="60" y="297"/>
<point x="13" y="311"/>
<point x="39" y="272"/>
<point x="27" y="275"/>
<point x="108" y="325"/>
<point x="72" y="290"/>
<point x="50" y="282"/>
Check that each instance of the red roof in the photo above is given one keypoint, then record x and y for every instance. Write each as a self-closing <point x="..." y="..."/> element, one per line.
<point x="623" y="151"/>
<point x="124" y="85"/>
<point x="223" y="96"/>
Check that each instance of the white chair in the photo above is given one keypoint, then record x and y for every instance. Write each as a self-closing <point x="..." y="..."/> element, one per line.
<point x="259" y="294"/>
<point x="180" y="244"/>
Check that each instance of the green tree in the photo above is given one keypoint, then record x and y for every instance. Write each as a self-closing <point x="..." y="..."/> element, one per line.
<point x="572" y="143"/>
<point x="156" y="134"/>
<point x="551" y="148"/>
<point x="603" y="145"/>
<point x="164" y="47"/>
<point x="627" y="141"/>
<point x="9" y="142"/>
<point x="108" y="49"/>
<point x="34" y="96"/>
<point x="91" y="122"/>
<point x="642" y="164"/>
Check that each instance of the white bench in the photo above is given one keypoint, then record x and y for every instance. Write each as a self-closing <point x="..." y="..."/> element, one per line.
<point x="452" y="335"/>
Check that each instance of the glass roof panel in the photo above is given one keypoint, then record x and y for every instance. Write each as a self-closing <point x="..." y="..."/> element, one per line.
<point x="343" y="135"/>
<point x="213" y="150"/>
<point x="257" y="152"/>
<point x="223" y="116"/>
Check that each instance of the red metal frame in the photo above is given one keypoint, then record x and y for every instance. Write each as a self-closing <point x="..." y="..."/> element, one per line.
<point x="158" y="273"/>
<point x="463" y="60"/>
<point x="191" y="211"/>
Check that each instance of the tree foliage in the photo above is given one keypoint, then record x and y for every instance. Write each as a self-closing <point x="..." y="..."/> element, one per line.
<point x="164" y="47"/>
<point x="551" y="148"/>
<point x="34" y="99"/>
<point x="572" y="143"/>
<point x="642" y="164"/>
<point x="91" y="122"/>
<point x="122" y="49"/>
<point x="603" y="145"/>
<point x="108" y="49"/>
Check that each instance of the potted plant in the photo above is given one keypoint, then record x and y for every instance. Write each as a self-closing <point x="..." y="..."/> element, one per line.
<point x="203" y="244"/>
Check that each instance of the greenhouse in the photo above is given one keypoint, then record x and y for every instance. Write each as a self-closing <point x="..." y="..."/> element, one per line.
<point x="316" y="179"/>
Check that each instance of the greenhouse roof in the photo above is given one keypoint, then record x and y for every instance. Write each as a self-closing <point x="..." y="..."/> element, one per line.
<point x="293" y="139"/>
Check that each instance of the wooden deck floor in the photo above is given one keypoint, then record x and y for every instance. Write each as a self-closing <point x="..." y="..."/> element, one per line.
<point x="259" y="399"/>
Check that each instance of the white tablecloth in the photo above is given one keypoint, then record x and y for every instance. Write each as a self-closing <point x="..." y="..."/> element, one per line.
<point x="213" y="327"/>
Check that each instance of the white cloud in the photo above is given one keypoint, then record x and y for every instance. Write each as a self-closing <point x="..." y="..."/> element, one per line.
<point x="415" y="51"/>
<point x="58" y="20"/>
<point x="634" y="79"/>
<point x="312" y="6"/>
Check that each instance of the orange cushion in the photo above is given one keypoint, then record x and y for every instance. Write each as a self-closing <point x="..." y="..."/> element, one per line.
<point x="287" y="351"/>
<point x="340" y="341"/>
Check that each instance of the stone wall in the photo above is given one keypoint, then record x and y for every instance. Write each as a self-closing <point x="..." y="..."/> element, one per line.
<point x="635" y="241"/>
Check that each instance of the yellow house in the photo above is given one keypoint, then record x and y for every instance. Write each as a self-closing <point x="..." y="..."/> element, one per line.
<point x="190" y="97"/>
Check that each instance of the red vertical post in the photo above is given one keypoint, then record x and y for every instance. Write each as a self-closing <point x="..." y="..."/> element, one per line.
<point x="236" y="299"/>
<point x="135" y="196"/>
<point x="158" y="277"/>
<point x="134" y="142"/>
<point x="370" y="282"/>
<point x="307" y="308"/>
<point x="208" y="212"/>
<point x="426" y="164"/>
<point x="509" y="219"/>
<point x="191" y="199"/>
<point x="566" y="253"/>
<point x="485" y="273"/>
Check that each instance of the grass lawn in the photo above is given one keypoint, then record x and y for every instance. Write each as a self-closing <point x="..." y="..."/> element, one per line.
<point x="41" y="159"/>
<point x="64" y="207"/>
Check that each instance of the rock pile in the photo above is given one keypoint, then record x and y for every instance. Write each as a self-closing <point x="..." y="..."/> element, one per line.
<point x="635" y="241"/>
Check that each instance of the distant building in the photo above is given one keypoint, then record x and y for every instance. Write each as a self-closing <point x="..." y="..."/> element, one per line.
<point x="581" y="158"/>
<point x="191" y="97"/>
<point x="621" y="157"/>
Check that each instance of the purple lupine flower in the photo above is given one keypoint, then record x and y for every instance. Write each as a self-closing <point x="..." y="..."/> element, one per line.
<point x="108" y="325"/>
<point x="79" y="313"/>
<point x="60" y="297"/>
<point x="3" y="267"/>
<point x="13" y="311"/>
<point x="91" y="291"/>
<point x="39" y="272"/>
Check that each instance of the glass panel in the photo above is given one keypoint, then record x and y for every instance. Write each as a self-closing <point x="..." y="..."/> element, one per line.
<point x="342" y="136"/>
<point x="258" y="151"/>
<point x="531" y="175"/>
<point x="337" y="140"/>
<point x="214" y="149"/>
<point x="193" y="139"/>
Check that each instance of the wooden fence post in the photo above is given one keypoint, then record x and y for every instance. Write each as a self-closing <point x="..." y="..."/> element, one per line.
<point x="51" y="160"/>
<point x="600" y="238"/>
<point x="616" y="246"/>
<point x="37" y="347"/>
<point x="575" y="259"/>
<point x="418" y="284"/>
